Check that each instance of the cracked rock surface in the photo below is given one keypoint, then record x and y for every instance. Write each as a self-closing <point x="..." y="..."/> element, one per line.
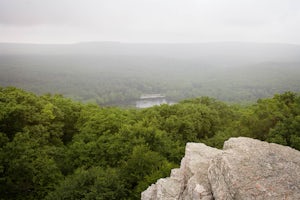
<point x="245" y="169"/>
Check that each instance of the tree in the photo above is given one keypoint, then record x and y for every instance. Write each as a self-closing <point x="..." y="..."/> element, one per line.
<point x="89" y="184"/>
<point x="29" y="170"/>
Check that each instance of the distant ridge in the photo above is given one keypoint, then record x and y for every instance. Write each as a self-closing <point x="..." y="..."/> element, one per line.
<point x="222" y="53"/>
<point x="229" y="71"/>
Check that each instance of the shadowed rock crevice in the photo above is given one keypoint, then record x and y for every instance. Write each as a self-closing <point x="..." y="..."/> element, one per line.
<point x="245" y="169"/>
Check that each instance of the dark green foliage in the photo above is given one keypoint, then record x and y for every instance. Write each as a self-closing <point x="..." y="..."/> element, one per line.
<point x="143" y="168"/>
<point x="54" y="148"/>
<point x="30" y="170"/>
<point x="88" y="184"/>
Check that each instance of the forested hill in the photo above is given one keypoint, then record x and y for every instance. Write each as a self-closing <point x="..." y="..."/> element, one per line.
<point x="52" y="147"/>
<point x="112" y="73"/>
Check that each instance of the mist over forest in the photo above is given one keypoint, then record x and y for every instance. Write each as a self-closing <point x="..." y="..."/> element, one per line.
<point x="114" y="73"/>
<point x="98" y="99"/>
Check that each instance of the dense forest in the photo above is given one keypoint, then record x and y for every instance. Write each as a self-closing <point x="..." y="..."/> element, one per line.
<point x="52" y="147"/>
<point x="119" y="73"/>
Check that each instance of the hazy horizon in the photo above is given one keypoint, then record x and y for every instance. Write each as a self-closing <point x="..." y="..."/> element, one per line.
<point x="113" y="51"/>
<point x="118" y="73"/>
<point x="167" y="43"/>
<point x="149" y="21"/>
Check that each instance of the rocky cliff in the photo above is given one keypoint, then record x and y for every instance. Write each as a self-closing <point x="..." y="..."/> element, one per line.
<point x="245" y="169"/>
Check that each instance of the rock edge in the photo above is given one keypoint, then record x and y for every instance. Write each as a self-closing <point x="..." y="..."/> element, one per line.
<point x="245" y="169"/>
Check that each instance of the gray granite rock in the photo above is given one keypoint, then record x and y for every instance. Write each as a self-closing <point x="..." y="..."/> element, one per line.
<point x="252" y="169"/>
<point x="245" y="169"/>
<point x="190" y="181"/>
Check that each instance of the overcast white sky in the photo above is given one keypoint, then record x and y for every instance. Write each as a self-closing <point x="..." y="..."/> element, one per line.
<point x="68" y="21"/>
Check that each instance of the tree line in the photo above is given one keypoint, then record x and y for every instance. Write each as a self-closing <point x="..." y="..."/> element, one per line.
<point x="52" y="147"/>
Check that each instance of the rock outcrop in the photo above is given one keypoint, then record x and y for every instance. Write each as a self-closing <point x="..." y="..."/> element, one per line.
<point x="245" y="169"/>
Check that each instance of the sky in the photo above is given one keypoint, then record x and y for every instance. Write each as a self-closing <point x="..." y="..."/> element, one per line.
<point x="150" y="21"/>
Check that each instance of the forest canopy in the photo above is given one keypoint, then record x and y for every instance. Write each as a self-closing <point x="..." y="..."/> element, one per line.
<point x="52" y="147"/>
<point x="112" y="73"/>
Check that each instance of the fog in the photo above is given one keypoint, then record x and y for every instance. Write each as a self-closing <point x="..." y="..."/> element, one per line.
<point x="111" y="52"/>
<point x="114" y="73"/>
<point x="66" y="21"/>
<point x="220" y="53"/>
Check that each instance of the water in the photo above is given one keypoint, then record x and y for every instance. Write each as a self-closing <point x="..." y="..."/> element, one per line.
<point x="149" y="100"/>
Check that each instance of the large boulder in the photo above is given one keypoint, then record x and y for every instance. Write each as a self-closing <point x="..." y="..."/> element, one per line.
<point x="245" y="169"/>
<point x="190" y="181"/>
<point x="251" y="169"/>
